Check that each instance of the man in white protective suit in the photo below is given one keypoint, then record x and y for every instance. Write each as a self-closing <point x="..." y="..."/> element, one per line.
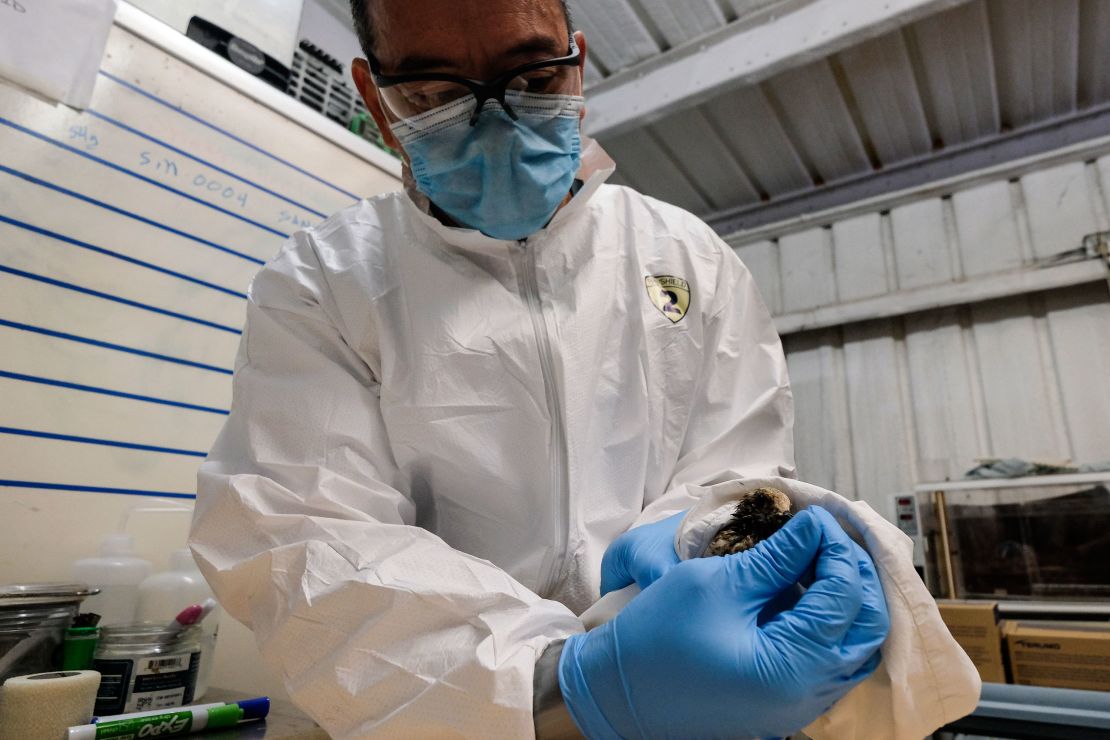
<point x="452" y="404"/>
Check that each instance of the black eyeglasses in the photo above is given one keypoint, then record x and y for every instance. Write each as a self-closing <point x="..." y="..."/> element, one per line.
<point x="410" y="95"/>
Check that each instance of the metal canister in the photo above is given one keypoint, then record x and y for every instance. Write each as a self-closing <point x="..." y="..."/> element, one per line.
<point x="146" y="666"/>
<point x="33" y="622"/>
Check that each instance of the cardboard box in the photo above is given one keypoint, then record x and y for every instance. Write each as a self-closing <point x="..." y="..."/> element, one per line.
<point x="1067" y="655"/>
<point x="974" y="624"/>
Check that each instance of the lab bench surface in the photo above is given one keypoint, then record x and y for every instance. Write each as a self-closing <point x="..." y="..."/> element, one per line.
<point x="285" y="722"/>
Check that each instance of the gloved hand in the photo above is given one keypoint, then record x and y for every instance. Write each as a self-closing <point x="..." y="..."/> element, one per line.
<point x="872" y="612"/>
<point x="641" y="555"/>
<point x="686" y="658"/>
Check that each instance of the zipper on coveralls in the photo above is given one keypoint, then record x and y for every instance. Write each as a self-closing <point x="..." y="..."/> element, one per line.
<point x="560" y="486"/>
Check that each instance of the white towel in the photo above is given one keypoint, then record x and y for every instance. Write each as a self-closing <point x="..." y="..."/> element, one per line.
<point x="925" y="679"/>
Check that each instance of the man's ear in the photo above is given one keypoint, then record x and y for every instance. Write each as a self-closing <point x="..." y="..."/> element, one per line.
<point x="580" y="41"/>
<point x="364" y="81"/>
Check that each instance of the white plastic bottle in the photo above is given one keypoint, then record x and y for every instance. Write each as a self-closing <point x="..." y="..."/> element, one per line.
<point x="164" y="595"/>
<point x="117" y="572"/>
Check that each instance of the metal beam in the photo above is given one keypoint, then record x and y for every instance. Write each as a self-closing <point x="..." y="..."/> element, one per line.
<point x="749" y="50"/>
<point x="986" y="288"/>
<point x="1071" y="138"/>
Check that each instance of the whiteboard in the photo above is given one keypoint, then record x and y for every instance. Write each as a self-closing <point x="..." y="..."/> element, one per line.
<point x="129" y="234"/>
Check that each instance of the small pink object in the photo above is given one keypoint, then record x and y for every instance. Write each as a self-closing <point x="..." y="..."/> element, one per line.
<point x="188" y="616"/>
<point x="191" y="615"/>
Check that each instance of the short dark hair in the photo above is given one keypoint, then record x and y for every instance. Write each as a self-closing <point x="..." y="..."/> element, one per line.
<point x="364" y="25"/>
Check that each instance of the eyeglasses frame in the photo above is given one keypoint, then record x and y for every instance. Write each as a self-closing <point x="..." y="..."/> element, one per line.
<point x="483" y="90"/>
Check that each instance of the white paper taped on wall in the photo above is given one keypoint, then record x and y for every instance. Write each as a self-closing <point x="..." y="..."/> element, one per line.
<point x="54" y="47"/>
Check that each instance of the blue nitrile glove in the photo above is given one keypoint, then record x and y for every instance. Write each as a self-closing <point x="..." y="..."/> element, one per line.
<point x="873" y="612"/>
<point x="686" y="658"/>
<point x="641" y="555"/>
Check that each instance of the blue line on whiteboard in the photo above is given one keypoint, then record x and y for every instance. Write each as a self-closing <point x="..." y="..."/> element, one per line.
<point x="226" y="133"/>
<point x="118" y="256"/>
<point x="117" y="299"/>
<point x="111" y="346"/>
<point x="129" y="214"/>
<point x="136" y="175"/>
<point x="97" y="441"/>
<point x="109" y="392"/>
<point x="92" y="489"/>
<point x="205" y="162"/>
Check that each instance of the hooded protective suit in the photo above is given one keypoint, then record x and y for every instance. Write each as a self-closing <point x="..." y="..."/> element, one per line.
<point x="435" y="436"/>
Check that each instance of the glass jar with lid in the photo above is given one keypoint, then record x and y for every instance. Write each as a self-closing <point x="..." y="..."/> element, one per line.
<point x="33" y="622"/>
<point x="146" y="666"/>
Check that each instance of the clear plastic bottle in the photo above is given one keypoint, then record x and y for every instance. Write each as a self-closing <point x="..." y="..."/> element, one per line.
<point x="164" y="595"/>
<point x="117" y="572"/>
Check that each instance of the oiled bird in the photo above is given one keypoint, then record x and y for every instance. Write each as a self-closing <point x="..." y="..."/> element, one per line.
<point x="757" y="516"/>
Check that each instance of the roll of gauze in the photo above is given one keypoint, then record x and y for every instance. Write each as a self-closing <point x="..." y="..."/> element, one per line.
<point x="44" y="705"/>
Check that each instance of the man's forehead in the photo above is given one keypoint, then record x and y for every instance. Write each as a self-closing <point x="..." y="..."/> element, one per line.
<point x="462" y="11"/>
<point x="440" y="33"/>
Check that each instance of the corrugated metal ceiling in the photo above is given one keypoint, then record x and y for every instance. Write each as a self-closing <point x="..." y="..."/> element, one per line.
<point x="967" y="74"/>
<point x="625" y="32"/>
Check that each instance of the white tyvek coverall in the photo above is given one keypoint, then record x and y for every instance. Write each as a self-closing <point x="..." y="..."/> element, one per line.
<point x="431" y="427"/>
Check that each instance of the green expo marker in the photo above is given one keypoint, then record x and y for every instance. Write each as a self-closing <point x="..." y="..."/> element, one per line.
<point x="169" y="724"/>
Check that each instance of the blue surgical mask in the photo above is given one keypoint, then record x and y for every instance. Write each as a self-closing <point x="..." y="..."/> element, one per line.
<point x="503" y="177"/>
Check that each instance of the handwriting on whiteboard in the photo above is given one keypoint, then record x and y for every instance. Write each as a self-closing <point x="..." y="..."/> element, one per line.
<point x="183" y="173"/>
<point x="288" y="217"/>
<point x="200" y="180"/>
<point x="83" y="135"/>
<point x="227" y="192"/>
<point x="14" y="5"/>
<point x="164" y="164"/>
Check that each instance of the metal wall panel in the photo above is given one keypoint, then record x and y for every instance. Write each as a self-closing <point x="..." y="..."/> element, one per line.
<point x="863" y="268"/>
<point x="677" y="23"/>
<point x="958" y="89"/>
<point x="806" y="261"/>
<point x="756" y="137"/>
<point x="815" y="114"/>
<point x="928" y="394"/>
<point x="886" y="403"/>
<point x="952" y="80"/>
<point x="716" y="171"/>
<point x="884" y="90"/>
<point x="1061" y="204"/>
<point x="817" y="377"/>
<point x="747" y="7"/>
<point x="1078" y="327"/>
<point x="987" y="228"/>
<point x="1094" y="40"/>
<point x="1035" y="49"/>
<point x="647" y="156"/>
<point x="616" y="34"/>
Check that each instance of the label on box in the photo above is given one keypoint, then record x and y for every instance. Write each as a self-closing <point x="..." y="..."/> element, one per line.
<point x="1065" y="656"/>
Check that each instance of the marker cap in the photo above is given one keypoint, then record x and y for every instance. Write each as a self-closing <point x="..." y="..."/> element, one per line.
<point x="255" y="708"/>
<point x="81" y="732"/>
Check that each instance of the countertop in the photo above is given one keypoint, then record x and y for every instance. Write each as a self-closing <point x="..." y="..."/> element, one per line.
<point x="285" y="721"/>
